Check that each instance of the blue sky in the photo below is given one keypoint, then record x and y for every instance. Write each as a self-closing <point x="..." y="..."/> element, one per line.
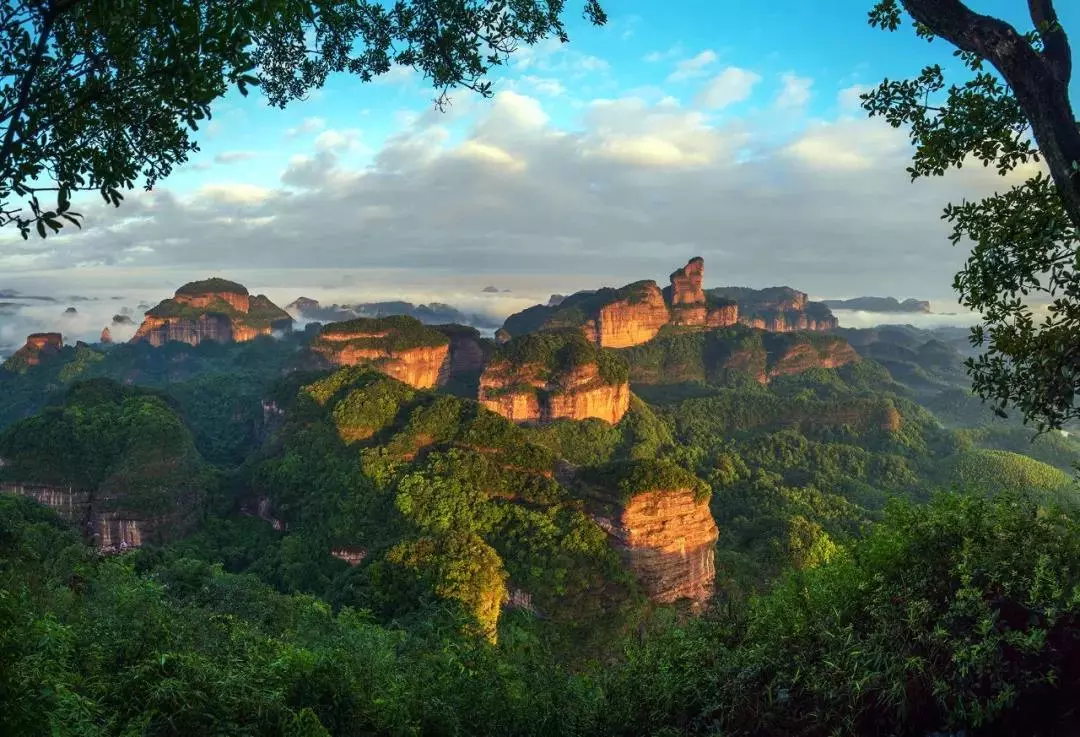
<point x="722" y="128"/>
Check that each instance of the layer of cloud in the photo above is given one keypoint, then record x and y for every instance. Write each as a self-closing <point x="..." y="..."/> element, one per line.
<point x="630" y="190"/>
<point x="694" y="67"/>
<point x="730" y="86"/>
<point x="795" y="91"/>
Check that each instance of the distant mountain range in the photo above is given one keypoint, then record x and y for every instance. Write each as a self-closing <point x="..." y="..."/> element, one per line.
<point x="879" y="304"/>
<point x="435" y="313"/>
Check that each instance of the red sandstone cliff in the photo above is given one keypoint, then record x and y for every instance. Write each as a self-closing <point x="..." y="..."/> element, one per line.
<point x="687" y="297"/>
<point x="631" y="320"/>
<point x="671" y="540"/>
<point x="635" y="314"/>
<point x="215" y="310"/>
<point x="525" y="384"/>
<point x="398" y="346"/>
<point x="38" y="347"/>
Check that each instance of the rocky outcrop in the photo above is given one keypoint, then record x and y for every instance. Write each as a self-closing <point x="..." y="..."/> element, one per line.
<point x="671" y="540"/>
<point x="212" y="310"/>
<point x="800" y="357"/>
<point x="399" y="346"/>
<point x="39" y="347"/>
<point x="658" y="515"/>
<point x="109" y="531"/>
<point x="352" y="556"/>
<point x="687" y="297"/>
<point x="630" y="320"/>
<point x="635" y="314"/>
<point x="301" y="305"/>
<point x="106" y="336"/>
<point x="777" y="309"/>
<point x="543" y="377"/>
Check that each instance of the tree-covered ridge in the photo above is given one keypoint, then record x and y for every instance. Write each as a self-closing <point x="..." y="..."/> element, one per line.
<point x="559" y="353"/>
<point x="127" y="448"/>
<point x="213" y="285"/>
<point x="393" y="333"/>
<point x="450" y="501"/>
<point x="621" y="481"/>
<point x="955" y="616"/>
<point x="723" y="355"/>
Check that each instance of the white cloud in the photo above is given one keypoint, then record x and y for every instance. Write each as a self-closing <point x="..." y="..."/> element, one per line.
<point x="230" y="157"/>
<point x="547" y="86"/>
<point x="657" y="56"/>
<point x="848" y="98"/>
<point x="307" y="125"/>
<point x="732" y="85"/>
<point x="337" y="140"/>
<point x="627" y="191"/>
<point x="795" y="92"/>
<point x="694" y="67"/>
<point x="233" y="193"/>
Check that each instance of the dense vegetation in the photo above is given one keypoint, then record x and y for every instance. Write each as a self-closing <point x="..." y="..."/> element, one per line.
<point x="481" y="597"/>
<point x="558" y="353"/>
<point x="393" y="333"/>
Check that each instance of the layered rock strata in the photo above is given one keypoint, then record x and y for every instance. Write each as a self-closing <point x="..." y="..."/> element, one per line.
<point x="212" y="310"/>
<point x="399" y="346"/>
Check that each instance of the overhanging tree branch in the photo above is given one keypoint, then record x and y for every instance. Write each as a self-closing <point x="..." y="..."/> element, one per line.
<point x="1035" y="79"/>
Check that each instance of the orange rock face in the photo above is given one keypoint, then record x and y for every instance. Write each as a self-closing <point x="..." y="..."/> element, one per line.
<point x="400" y="347"/>
<point x="38" y="347"/>
<point x="422" y="368"/>
<point x="671" y="540"/>
<point x="106" y="335"/>
<point x="530" y="394"/>
<point x="722" y="316"/>
<point x="583" y="394"/>
<point x="213" y="310"/>
<point x="629" y="322"/>
<point x="687" y="296"/>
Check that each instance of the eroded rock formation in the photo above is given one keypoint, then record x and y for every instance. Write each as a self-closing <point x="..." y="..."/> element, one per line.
<point x="106" y="336"/>
<point x="214" y="309"/>
<point x="399" y="346"/>
<point x="109" y="530"/>
<point x="38" y="347"/>
<point x="658" y="515"/>
<point x="542" y="377"/>
<point x="635" y="314"/>
<point x="671" y="537"/>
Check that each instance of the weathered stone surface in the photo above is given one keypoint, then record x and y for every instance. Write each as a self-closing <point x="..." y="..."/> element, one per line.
<point x="38" y="347"/>
<point x="670" y="539"/>
<point x="109" y="531"/>
<point x="215" y="310"/>
<point x="804" y="356"/>
<point x="534" y="392"/>
<point x="630" y="321"/>
<point x="397" y="346"/>
<point x="106" y="336"/>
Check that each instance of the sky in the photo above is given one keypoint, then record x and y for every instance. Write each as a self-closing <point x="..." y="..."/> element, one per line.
<point x="724" y="129"/>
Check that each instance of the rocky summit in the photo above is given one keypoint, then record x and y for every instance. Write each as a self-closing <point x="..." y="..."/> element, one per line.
<point x="635" y="314"/>
<point x="38" y="347"/>
<point x="541" y="377"/>
<point x="214" y="309"/>
<point x="398" y="346"/>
